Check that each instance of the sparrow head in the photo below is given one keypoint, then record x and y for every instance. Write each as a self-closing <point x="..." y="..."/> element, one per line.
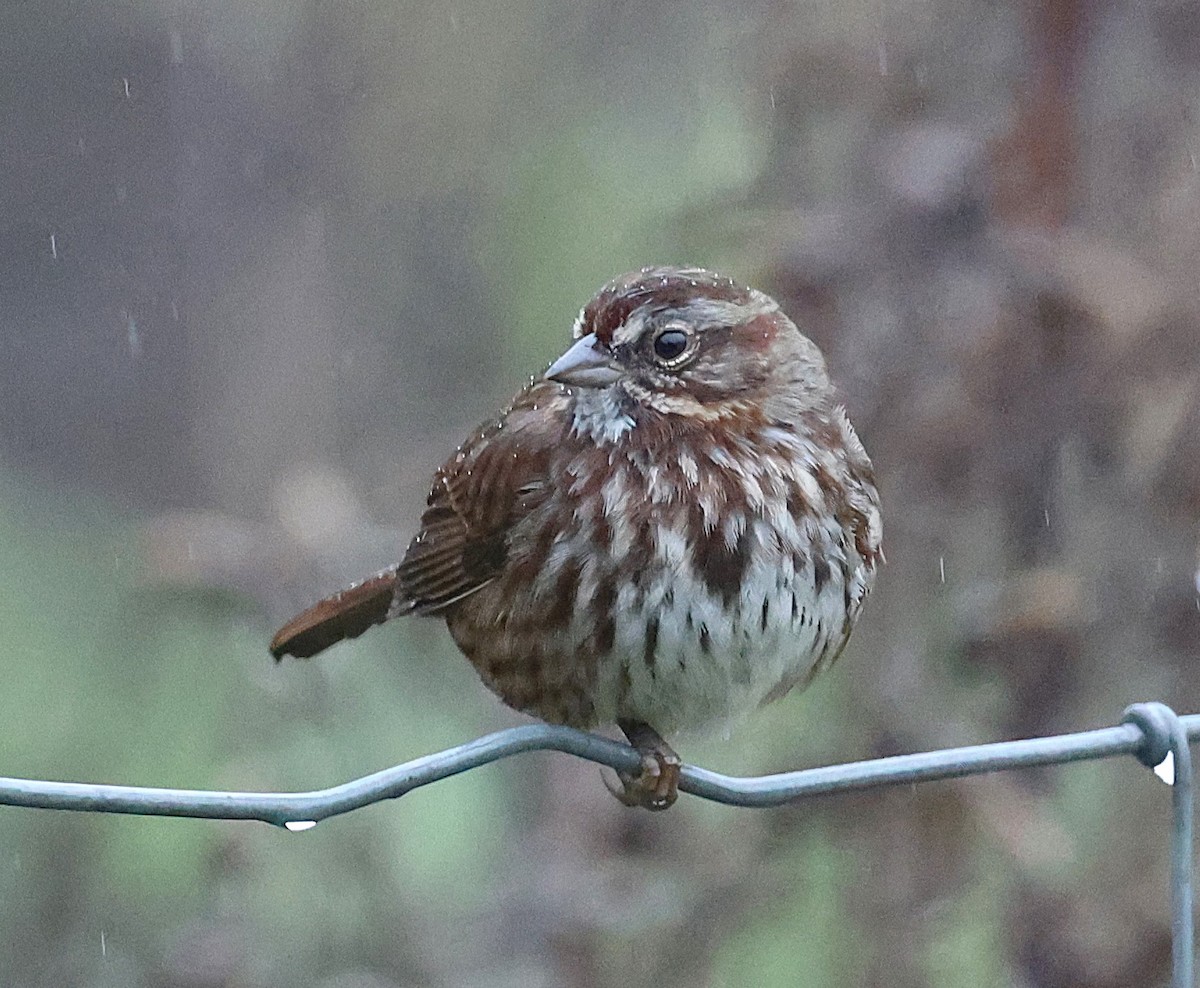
<point x="688" y="342"/>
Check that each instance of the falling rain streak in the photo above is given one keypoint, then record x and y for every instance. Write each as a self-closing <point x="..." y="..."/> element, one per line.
<point x="133" y="336"/>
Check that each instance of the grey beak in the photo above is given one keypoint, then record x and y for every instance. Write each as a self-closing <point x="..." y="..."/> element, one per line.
<point x="586" y="365"/>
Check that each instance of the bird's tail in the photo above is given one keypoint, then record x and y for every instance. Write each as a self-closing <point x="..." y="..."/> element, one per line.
<point x="347" y="614"/>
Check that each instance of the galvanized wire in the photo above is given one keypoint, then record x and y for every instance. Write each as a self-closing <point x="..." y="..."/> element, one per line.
<point x="1167" y="736"/>
<point x="1150" y="731"/>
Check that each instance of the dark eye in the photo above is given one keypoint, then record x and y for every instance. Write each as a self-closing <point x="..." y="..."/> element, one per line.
<point x="670" y="344"/>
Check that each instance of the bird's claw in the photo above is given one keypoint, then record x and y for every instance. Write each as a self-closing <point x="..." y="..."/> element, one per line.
<point x="655" y="787"/>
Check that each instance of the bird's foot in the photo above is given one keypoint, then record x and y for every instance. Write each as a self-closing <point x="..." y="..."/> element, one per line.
<point x="656" y="786"/>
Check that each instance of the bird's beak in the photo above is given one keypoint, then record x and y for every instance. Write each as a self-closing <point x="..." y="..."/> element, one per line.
<point x="587" y="364"/>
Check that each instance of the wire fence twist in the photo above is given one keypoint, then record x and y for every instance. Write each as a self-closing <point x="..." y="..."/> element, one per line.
<point x="1152" y="732"/>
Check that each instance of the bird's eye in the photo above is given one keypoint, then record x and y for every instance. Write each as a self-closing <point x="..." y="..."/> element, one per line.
<point x="670" y="345"/>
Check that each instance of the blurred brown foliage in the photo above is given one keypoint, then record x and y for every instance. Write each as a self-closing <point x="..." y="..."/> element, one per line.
<point x="265" y="263"/>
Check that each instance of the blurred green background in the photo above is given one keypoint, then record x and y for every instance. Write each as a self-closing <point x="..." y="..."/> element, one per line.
<point x="263" y="264"/>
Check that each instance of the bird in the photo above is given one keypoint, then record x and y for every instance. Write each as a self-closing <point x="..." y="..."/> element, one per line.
<point x="674" y="525"/>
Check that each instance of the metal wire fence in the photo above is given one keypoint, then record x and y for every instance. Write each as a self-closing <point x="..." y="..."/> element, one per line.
<point x="1152" y="732"/>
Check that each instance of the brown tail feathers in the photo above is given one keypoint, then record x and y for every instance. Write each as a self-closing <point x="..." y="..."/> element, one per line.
<point x="347" y="614"/>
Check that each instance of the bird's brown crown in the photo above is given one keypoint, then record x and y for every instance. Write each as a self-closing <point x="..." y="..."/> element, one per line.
<point x="659" y="288"/>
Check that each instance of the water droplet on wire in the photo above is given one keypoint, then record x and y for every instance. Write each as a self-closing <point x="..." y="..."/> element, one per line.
<point x="1165" y="769"/>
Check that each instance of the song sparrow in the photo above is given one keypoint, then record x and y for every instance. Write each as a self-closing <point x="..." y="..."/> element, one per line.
<point x="676" y="524"/>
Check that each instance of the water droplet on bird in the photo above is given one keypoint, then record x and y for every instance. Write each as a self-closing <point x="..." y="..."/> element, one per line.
<point x="299" y="826"/>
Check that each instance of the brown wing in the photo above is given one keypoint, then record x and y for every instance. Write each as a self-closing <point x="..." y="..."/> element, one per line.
<point x="493" y="480"/>
<point x="487" y="486"/>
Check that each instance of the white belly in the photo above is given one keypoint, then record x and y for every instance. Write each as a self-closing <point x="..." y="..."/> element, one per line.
<point x="712" y="664"/>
